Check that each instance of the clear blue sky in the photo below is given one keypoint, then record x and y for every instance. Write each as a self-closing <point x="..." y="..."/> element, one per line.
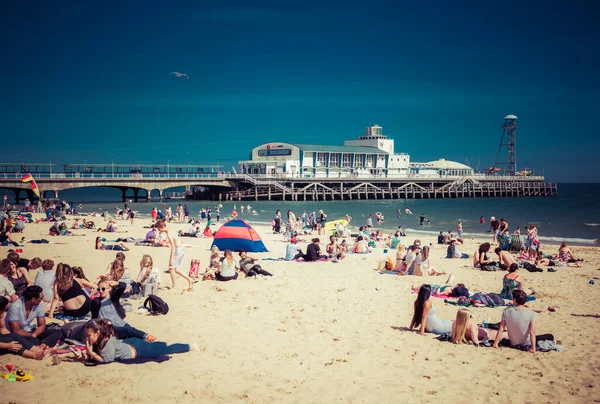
<point x="89" y="80"/>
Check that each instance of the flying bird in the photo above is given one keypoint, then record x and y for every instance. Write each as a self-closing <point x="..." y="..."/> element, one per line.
<point x="177" y="74"/>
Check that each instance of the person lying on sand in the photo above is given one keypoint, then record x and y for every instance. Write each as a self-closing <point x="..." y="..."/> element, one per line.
<point x="103" y="346"/>
<point x="114" y="247"/>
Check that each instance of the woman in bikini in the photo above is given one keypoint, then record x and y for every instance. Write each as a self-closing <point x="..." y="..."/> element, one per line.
<point x="464" y="330"/>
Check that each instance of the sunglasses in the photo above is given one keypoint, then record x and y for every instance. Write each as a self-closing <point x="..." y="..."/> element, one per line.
<point x="101" y="289"/>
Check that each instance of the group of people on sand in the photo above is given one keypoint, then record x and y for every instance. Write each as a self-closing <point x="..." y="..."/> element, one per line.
<point x="97" y="318"/>
<point x="334" y="251"/>
<point x="517" y="320"/>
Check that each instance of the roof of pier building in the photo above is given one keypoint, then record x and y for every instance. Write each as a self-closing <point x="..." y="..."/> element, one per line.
<point x="443" y="164"/>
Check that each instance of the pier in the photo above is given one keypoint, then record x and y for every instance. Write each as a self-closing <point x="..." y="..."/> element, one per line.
<point x="356" y="188"/>
<point x="209" y="183"/>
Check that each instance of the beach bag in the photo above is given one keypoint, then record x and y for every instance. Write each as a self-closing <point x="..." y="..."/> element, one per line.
<point x="389" y="264"/>
<point x="155" y="305"/>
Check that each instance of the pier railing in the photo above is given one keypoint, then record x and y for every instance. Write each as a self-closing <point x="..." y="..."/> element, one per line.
<point x="253" y="178"/>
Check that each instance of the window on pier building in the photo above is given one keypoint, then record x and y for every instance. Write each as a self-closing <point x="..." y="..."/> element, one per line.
<point x="359" y="160"/>
<point x="321" y="159"/>
<point x="346" y="160"/>
<point x="334" y="160"/>
<point x="370" y="160"/>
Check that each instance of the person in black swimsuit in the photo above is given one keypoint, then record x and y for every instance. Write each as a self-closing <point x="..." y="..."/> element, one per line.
<point x="69" y="289"/>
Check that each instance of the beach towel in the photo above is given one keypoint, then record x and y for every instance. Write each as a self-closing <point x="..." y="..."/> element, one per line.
<point x="64" y="317"/>
<point x="389" y="272"/>
<point x="66" y="348"/>
<point x="319" y="260"/>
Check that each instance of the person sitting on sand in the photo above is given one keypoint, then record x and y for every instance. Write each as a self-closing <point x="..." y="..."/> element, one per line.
<point x="566" y="256"/>
<point x="227" y="270"/>
<point x="6" y="239"/>
<point x="213" y="265"/>
<point x="113" y="247"/>
<point x="108" y="305"/>
<point x="519" y="322"/>
<point x="342" y="249"/>
<point x="18" y="277"/>
<point x="425" y="315"/>
<point x="400" y="265"/>
<point x="117" y="272"/>
<point x="485" y="263"/>
<point x="505" y="258"/>
<point x="13" y="343"/>
<point x="415" y="244"/>
<point x="102" y="346"/>
<point x="361" y="246"/>
<point x="149" y="277"/>
<point x="24" y="263"/>
<point x="45" y="280"/>
<point x="6" y="287"/>
<point x="411" y="259"/>
<point x="27" y="317"/>
<point x="453" y="252"/>
<point x="69" y="290"/>
<point x="512" y="281"/>
<point x="313" y="252"/>
<point x="423" y="264"/>
<point x="523" y="256"/>
<point x="88" y="224"/>
<point x="331" y="248"/>
<point x="464" y="330"/>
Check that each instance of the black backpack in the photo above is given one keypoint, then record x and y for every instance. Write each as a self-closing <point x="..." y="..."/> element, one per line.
<point x="156" y="305"/>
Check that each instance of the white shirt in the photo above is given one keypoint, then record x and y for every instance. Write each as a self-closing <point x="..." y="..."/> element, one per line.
<point x="6" y="287"/>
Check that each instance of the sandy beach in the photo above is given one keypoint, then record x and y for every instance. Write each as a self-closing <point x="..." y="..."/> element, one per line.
<point x="322" y="332"/>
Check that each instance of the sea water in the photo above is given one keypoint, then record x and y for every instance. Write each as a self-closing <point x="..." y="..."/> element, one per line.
<point x="573" y="215"/>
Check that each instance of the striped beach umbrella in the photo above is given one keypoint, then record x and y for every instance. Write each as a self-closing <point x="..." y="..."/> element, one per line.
<point x="237" y="235"/>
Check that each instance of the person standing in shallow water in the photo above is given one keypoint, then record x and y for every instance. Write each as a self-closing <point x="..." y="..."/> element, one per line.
<point x="176" y="256"/>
